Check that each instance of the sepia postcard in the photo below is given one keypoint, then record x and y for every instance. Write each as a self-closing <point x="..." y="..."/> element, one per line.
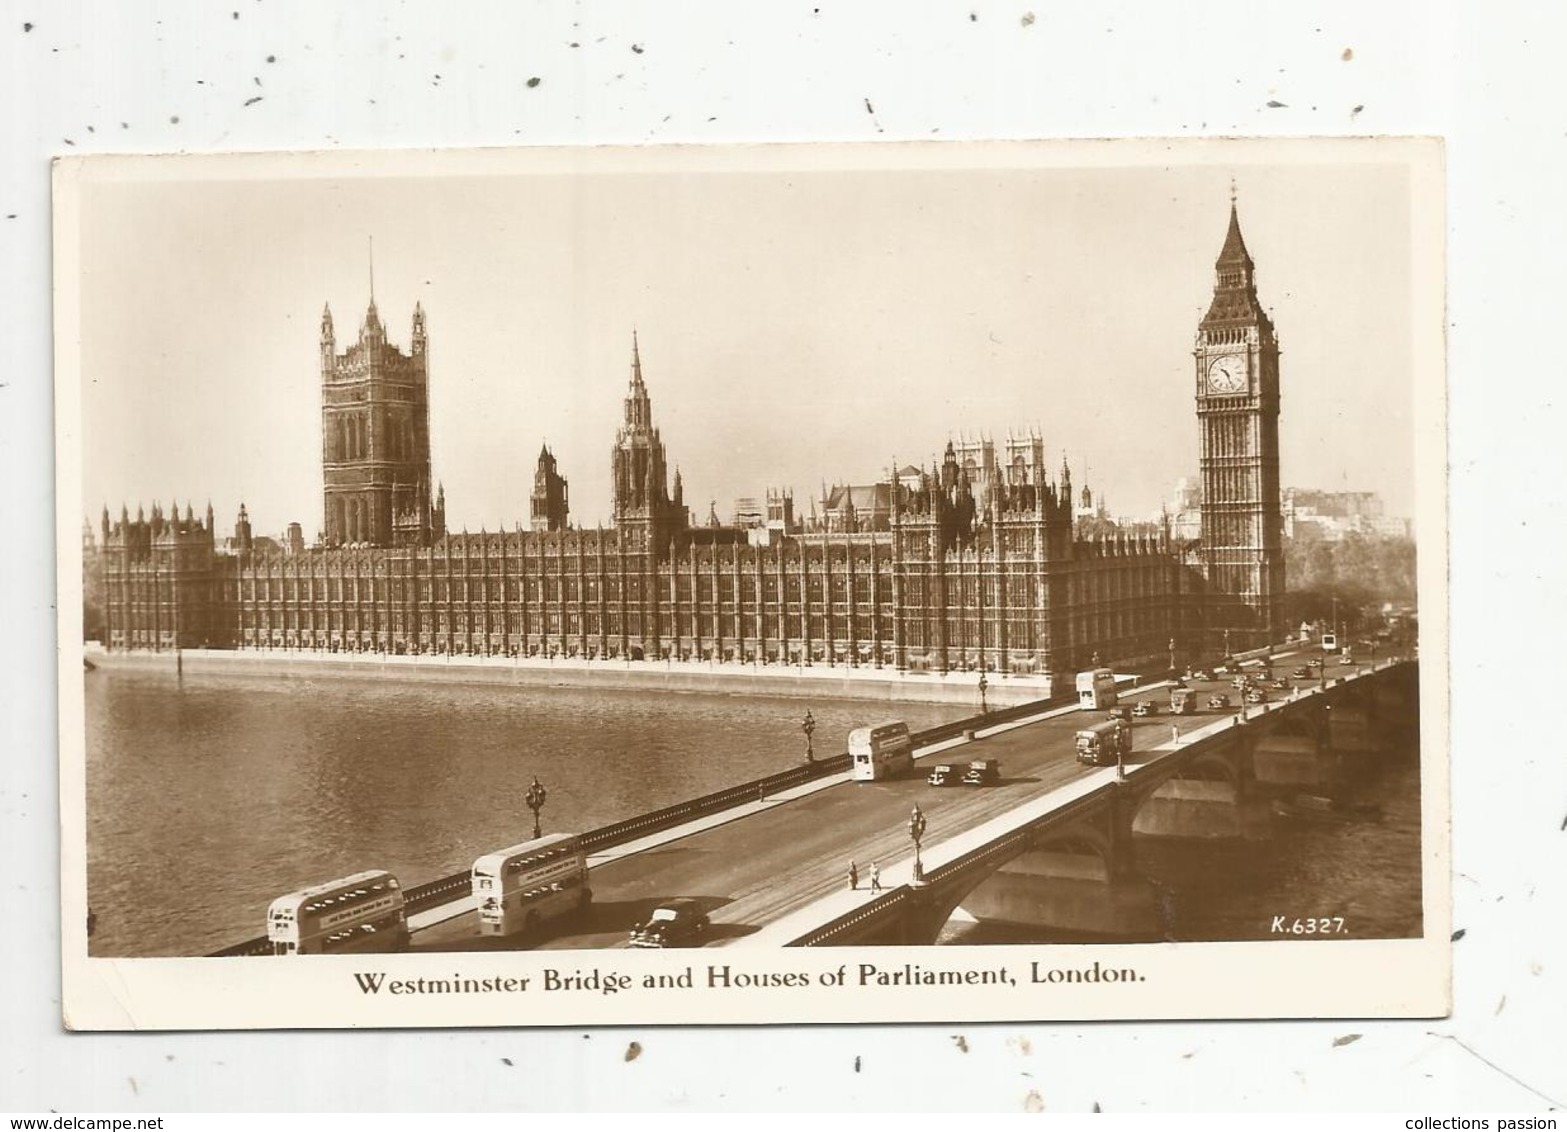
<point x="755" y="584"/>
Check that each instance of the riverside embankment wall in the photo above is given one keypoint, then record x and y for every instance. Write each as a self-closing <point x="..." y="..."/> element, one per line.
<point x="668" y="676"/>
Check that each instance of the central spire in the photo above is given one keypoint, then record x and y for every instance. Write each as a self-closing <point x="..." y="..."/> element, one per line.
<point x="636" y="361"/>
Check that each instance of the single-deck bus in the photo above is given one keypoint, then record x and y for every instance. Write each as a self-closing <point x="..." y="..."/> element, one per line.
<point x="882" y="750"/>
<point x="1105" y="743"/>
<point x="1096" y="689"/>
<point x="518" y="889"/>
<point x="1330" y="642"/>
<point x="363" y="912"/>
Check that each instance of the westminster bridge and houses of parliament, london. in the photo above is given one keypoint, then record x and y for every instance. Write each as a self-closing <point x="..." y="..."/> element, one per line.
<point x="971" y="565"/>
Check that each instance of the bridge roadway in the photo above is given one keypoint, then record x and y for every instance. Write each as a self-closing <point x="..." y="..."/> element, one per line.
<point x="755" y="864"/>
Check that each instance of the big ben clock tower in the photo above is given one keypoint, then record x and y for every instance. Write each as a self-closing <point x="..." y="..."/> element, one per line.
<point x="1237" y="374"/>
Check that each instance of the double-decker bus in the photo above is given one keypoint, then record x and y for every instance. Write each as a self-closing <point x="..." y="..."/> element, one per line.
<point x="519" y="889"/>
<point x="882" y="750"/>
<point x="363" y="912"/>
<point x="1096" y="689"/>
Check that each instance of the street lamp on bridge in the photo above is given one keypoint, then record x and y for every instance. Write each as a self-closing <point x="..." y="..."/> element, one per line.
<point x="809" y="727"/>
<point x="534" y="800"/>
<point x="983" y="685"/>
<point x="917" y="831"/>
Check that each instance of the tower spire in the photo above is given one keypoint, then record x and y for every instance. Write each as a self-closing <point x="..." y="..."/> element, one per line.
<point x="636" y="360"/>
<point x="1234" y="250"/>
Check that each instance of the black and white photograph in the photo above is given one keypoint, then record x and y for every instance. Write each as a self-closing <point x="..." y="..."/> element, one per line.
<point x="753" y="583"/>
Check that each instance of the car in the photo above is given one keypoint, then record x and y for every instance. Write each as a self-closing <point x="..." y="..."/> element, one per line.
<point x="1145" y="708"/>
<point x="944" y="775"/>
<point x="1122" y="713"/>
<point x="1346" y="659"/>
<point x="1202" y="674"/>
<point x="1279" y="685"/>
<point x="1301" y="673"/>
<point x="1218" y="700"/>
<point x="674" y="923"/>
<point x="1256" y="696"/>
<point x="983" y="772"/>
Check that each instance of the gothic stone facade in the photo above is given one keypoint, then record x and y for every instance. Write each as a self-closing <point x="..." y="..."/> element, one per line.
<point x="956" y="575"/>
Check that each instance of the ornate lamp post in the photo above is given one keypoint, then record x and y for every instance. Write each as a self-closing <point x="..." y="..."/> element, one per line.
<point x="1172" y="654"/>
<point x="917" y="831"/>
<point x="984" y="684"/>
<point x="809" y="727"/>
<point x="534" y="800"/>
<point x="1226" y="644"/>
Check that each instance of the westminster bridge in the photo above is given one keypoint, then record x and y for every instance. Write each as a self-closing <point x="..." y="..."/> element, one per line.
<point x="1048" y="847"/>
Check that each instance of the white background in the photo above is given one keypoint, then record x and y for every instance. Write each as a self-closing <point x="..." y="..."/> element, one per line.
<point x="1486" y="76"/>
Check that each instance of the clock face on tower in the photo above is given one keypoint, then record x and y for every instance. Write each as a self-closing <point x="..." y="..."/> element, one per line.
<point x="1227" y="374"/>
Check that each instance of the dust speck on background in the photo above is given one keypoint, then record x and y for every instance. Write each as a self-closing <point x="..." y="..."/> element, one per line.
<point x="1345" y="1040"/>
<point x="1033" y="1102"/>
<point x="1357" y="110"/>
<point x="534" y="81"/>
<point x="961" y="1042"/>
<point x="637" y="49"/>
<point x="1349" y="53"/>
<point x="506" y="1061"/>
<point x="135" y="1088"/>
<point x="1028" y="19"/>
<point x="856" y="1063"/>
<point x="1275" y="104"/>
<point x="1022" y="1045"/>
<point x="27" y="28"/>
<point x="1459" y="934"/>
<point x="633" y="1051"/>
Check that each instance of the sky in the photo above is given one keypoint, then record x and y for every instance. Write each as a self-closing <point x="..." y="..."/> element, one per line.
<point x="801" y="320"/>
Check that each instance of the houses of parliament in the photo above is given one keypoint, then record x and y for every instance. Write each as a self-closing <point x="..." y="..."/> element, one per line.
<point x="974" y="564"/>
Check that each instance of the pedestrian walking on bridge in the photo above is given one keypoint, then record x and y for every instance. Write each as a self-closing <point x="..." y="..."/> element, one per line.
<point x="875" y="877"/>
<point x="854" y="876"/>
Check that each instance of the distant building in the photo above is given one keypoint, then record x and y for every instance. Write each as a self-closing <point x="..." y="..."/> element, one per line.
<point x="1328" y="516"/>
<point x="749" y="513"/>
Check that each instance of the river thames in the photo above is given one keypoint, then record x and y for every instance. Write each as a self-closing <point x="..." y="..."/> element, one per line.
<point x="209" y="796"/>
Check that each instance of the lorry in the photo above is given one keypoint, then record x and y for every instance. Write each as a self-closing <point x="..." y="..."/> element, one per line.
<point x="1104" y="744"/>
<point x="1183" y="701"/>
